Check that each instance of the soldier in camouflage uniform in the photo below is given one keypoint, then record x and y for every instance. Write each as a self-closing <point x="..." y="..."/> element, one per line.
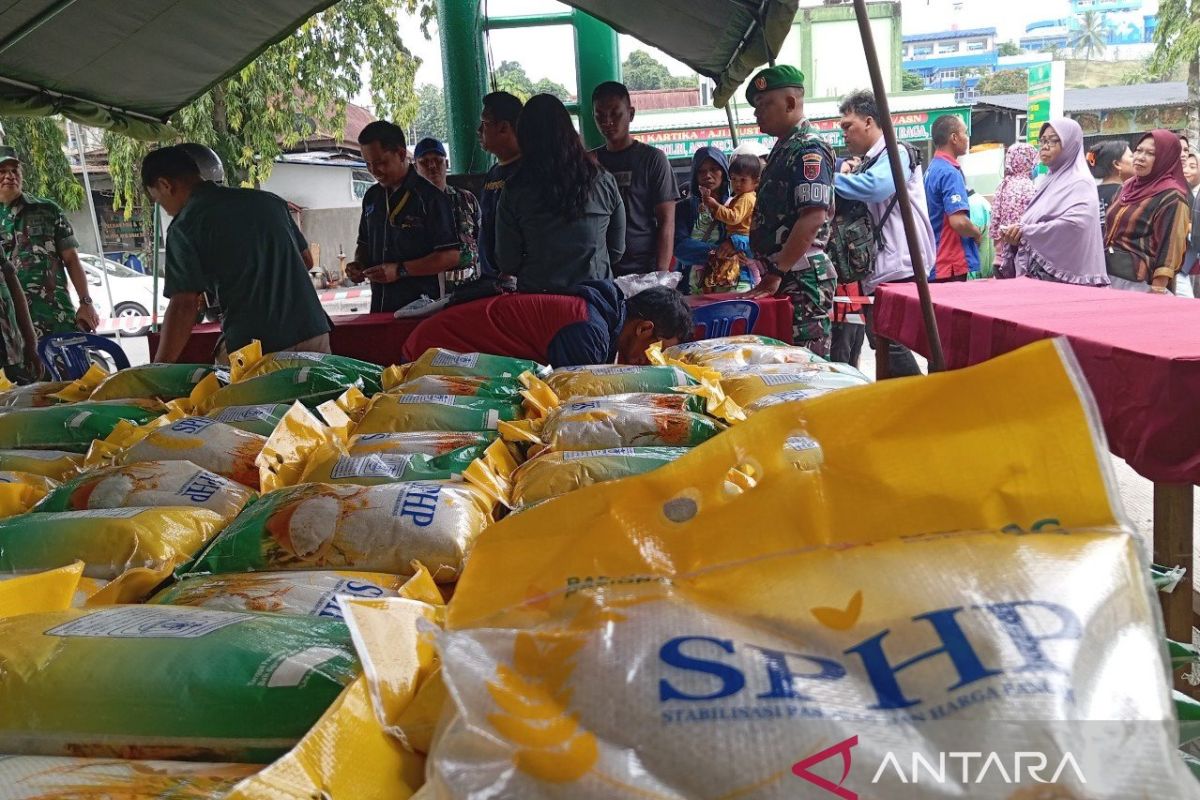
<point x="794" y="206"/>
<point x="37" y="240"/>
<point x="430" y="158"/>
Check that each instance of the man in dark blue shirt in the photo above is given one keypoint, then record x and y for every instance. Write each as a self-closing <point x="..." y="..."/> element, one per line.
<point x="497" y="135"/>
<point x="407" y="236"/>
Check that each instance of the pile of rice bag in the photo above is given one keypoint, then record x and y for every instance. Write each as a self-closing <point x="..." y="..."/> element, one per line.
<point x="473" y="576"/>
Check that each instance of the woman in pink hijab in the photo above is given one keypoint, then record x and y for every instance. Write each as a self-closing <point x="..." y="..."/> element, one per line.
<point x="1011" y="199"/>
<point x="1058" y="237"/>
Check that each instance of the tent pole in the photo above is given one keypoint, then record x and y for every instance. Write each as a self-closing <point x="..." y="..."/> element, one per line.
<point x="154" y="270"/>
<point x="87" y="189"/>
<point x="937" y="362"/>
<point x="732" y="127"/>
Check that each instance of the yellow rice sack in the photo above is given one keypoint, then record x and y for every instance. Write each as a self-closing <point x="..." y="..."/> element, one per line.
<point x="33" y="395"/>
<point x="702" y="348"/>
<point x="604" y="423"/>
<point x="389" y="413"/>
<point x="148" y="484"/>
<point x="795" y="640"/>
<point x="376" y="529"/>
<point x="719" y="356"/>
<point x="45" y="777"/>
<point x="21" y="491"/>
<point x="54" y="464"/>
<point x="40" y="592"/>
<point x="332" y="463"/>
<point x="309" y="594"/>
<point x="460" y="386"/>
<point x="161" y="381"/>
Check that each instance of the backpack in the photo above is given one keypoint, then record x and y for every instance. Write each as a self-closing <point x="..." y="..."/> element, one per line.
<point x="855" y="239"/>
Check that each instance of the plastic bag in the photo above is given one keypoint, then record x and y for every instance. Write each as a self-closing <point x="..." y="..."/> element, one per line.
<point x="309" y="594"/>
<point x="436" y="361"/>
<point x="553" y="474"/>
<point x="375" y="529"/>
<point x="602" y="423"/>
<point x="582" y="382"/>
<point x="310" y="385"/>
<point x="70" y="427"/>
<point x="149" y="484"/>
<point x="427" y="443"/>
<point x="261" y="420"/>
<point x="21" y="491"/>
<point x="46" y="777"/>
<point x="463" y="386"/>
<point x="389" y="413"/>
<point x="162" y="381"/>
<point x="686" y="351"/>
<point x="203" y="441"/>
<point x="167" y="682"/>
<point x="249" y="362"/>
<point x="54" y="464"/>
<point x="333" y="464"/>
<point x="824" y="614"/>
<point x="109" y="542"/>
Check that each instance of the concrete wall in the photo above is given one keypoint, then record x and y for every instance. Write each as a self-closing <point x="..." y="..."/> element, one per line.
<point x="84" y="230"/>
<point x="313" y="185"/>
<point x="331" y="227"/>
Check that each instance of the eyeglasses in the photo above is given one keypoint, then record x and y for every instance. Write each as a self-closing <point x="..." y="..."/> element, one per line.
<point x="1048" y="141"/>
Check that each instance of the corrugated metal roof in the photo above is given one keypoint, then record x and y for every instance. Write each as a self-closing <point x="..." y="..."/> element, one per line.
<point x="937" y="37"/>
<point x="1142" y="95"/>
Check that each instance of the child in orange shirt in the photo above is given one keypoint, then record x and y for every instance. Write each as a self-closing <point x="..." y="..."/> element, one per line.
<point x="725" y="267"/>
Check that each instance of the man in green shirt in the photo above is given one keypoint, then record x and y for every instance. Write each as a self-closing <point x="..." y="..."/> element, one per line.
<point x="37" y="240"/>
<point x="243" y="248"/>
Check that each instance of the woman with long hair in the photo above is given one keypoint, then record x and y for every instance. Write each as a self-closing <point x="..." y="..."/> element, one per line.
<point x="1111" y="163"/>
<point x="1147" y="225"/>
<point x="560" y="220"/>
<point x="1058" y="237"/>
<point x="1010" y="201"/>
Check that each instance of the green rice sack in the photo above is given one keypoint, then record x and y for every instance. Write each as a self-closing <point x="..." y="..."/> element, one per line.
<point x="109" y="541"/>
<point x="161" y="381"/>
<point x="70" y="427"/>
<point x="167" y="682"/>
<point x="311" y="385"/>
<point x="304" y="593"/>
<point x="581" y="382"/>
<point x="436" y="361"/>
<point x="428" y="443"/>
<point x="261" y="419"/>
<point x="601" y="424"/>
<point x="371" y="528"/>
<point x="464" y="385"/>
<point x="244" y="369"/>
<point x="390" y="413"/>
<point x="150" y="484"/>
<point x="331" y="464"/>
<point x="54" y="464"/>
<point x="556" y="473"/>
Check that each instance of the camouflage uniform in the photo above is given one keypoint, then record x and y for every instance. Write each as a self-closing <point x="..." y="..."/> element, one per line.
<point x="798" y="176"/>
<point x="466" y="219"/>
<point x="13" y="355"/>
<point x="33" y="233"/>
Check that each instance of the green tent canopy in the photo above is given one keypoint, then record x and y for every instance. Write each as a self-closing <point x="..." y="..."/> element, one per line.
<point x="128" y="65"/>
<point x="721" y="39"/>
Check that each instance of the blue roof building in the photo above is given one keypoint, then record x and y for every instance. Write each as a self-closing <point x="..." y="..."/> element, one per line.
<point x="954" y="59"/>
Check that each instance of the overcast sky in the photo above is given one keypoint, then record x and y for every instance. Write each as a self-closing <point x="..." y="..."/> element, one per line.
<point x="549" y="52"/>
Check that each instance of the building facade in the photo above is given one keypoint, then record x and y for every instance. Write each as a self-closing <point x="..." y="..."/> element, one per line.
<point x="954" y="59"/>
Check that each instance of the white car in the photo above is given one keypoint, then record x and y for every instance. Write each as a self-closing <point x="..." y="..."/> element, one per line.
<point x="123" y="294"/>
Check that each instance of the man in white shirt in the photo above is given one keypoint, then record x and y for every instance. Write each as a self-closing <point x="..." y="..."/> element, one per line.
<point x="871" y="183"/>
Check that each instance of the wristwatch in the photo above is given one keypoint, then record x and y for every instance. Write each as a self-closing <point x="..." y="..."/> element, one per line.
<point x="86" y="301"/>
<point x="776" y="271"/>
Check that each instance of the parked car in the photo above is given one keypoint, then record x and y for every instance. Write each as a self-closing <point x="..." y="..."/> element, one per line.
<point x="125" y="295"/>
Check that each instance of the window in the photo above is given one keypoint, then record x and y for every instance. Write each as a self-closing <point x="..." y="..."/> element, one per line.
<point x="923" y="50"/>
<point x="948" y="47"/>
<point x="360" y="181"/>
<point x="975" y="45"/>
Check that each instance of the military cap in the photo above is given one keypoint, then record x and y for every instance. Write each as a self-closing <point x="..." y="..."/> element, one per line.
<point x="781" y="76"/>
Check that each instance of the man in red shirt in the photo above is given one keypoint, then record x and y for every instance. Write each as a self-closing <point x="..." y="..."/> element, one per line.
<point x="956" y="236"/>
<point x="593" y="324"/>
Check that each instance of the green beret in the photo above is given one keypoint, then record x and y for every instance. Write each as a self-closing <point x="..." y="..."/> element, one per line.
<point x="781" y="76"/>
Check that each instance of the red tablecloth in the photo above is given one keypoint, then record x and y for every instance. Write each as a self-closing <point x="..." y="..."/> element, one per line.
<point x="379" y="338"/>
<point x="1140" y="354"/>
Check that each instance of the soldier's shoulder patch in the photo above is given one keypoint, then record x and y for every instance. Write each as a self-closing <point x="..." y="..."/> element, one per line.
<point x="812" y="166"/>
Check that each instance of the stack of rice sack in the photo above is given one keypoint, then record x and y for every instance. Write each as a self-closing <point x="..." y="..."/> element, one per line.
<point x="746" y="374"/>
<point x="593" y="424"/>
<point x="133" y="479"/>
